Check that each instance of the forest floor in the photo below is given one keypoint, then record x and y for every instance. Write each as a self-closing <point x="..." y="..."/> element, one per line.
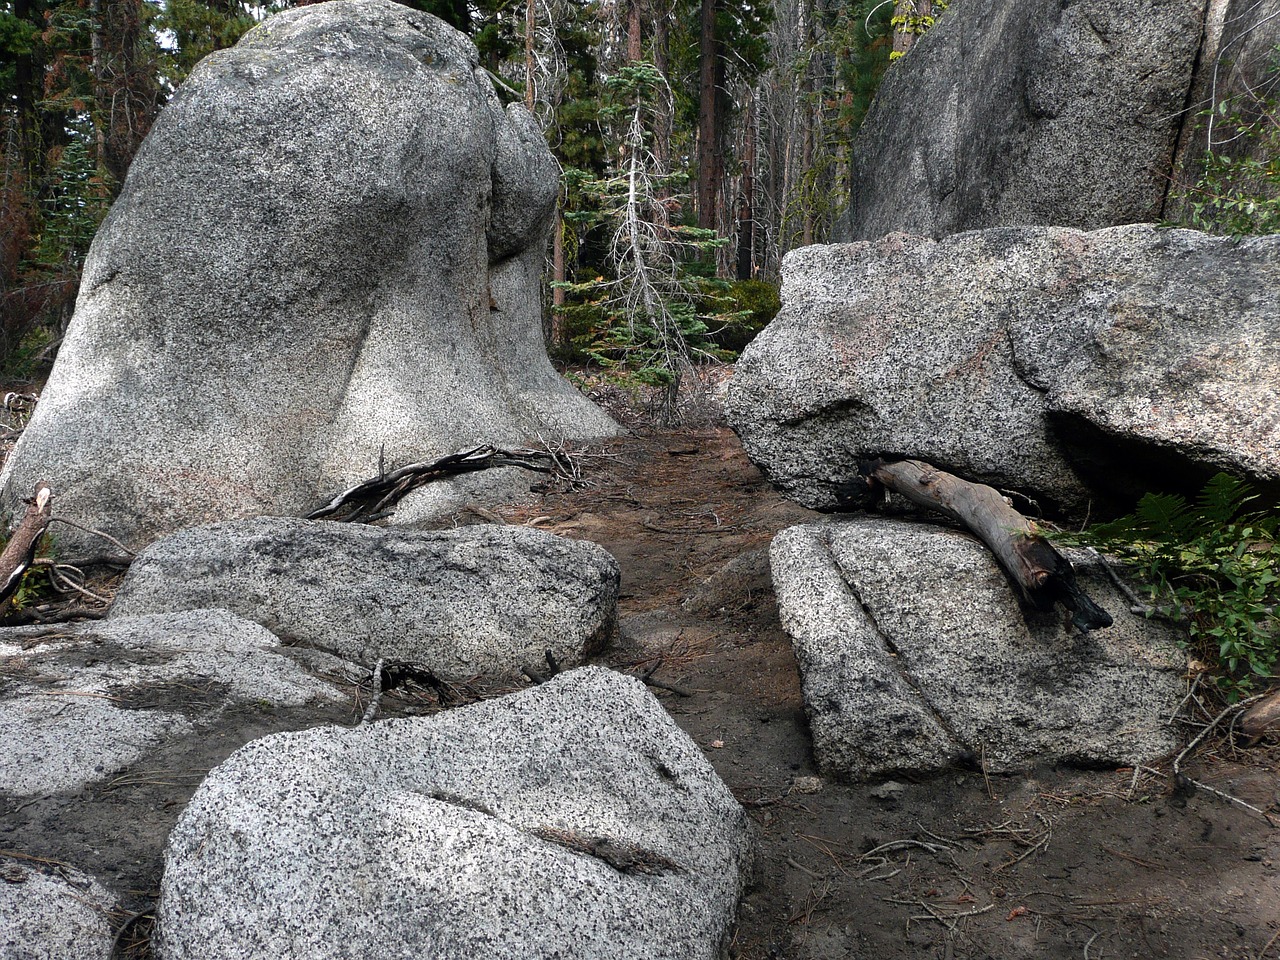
<point x="1056" y="863"/>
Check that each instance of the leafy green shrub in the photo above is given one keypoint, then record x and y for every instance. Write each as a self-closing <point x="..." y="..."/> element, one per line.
<point x="1212" y="565"/>
<point x="1238" y="191"/>
<point x="737" y="311"/>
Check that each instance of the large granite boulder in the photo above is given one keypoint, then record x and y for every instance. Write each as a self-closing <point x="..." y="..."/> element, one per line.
<point x="1027" y="112"/>
<point x="479" y="599"/>
<point x="916" y="654"/>
<point x="325" y="258"/>
<point x="108" y="728"/>
<point x="1068" y="366"/>
<point x="572" y="820"/>
<point x="1073" y="113"/>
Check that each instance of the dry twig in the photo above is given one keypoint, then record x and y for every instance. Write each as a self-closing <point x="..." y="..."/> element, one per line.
<point x="376" y="698"/>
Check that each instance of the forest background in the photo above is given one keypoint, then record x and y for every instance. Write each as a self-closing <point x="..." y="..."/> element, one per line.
<point x="700" y="140"/>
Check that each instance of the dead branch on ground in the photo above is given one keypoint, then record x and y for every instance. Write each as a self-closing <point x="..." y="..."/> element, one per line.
<point x="1262" y="717"/>
<point x="369" y="500"/>
<point x="1042" y="575"/>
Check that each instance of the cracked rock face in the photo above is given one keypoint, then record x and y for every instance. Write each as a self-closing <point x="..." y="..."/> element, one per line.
<point x="325" y="257"/>
<point x="572" y="820"/>
<point x="480" y="599"/>
<point x="916" y="655"/>
<point x="85" y="701"/>
<point x="1066" y="365"/>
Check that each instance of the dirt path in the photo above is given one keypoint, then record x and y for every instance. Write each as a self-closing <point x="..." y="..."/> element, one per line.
<point x="1055" y="864"/>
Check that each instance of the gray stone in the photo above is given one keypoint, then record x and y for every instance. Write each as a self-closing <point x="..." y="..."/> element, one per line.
<point x="571" y="820"/>
<point x="891" y="791"/>
<point x="48" y="916"/>
<point x="1027" y="112"/>
<point x="480" y="599"/>
<point x="1069" y="366"/>
<point x="85" y="701"/>
<point x="325" y="257"/>
<point x="916" y="654"/>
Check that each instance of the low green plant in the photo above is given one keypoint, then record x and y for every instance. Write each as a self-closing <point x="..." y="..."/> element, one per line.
<point x="1212" y="565"/>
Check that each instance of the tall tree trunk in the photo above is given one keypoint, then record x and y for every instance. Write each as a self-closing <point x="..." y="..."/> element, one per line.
<point x="559" y="335"/>
<point x="708" y="118"/>
<point x="530" y="31"/>
<point x="101" y="113"/>
<point x="32" y="123"/>
<point x="129" y="82"/>
<point x="663" y="121"/>
<point x="906" y="13"/>
<point x="635" y="32"/>
<point x="806" y="167"/>
<point x="746" y="208"/>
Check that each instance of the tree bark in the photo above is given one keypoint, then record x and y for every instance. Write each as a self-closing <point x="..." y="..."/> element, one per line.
<point x="708" y="118"/>
<point x="1041" y="574"/>
<point x="530" y="30"/>
<point x="559" y="335"/>
<point x="904" y="35"/>
<point x="635" y="33"/>
<point x="746" y="209"/>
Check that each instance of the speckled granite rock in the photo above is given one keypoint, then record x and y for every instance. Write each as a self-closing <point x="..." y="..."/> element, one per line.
<point x="326" y="256"/>
<point x="572" y="820"/>
<point x="1069" y="366"/>
<point x="52" y="916"/>
<point x="1027" y="112"/>
<point x="87" y="700"/>
<point x="480" y="599"/>
<point x="916" y="654"/>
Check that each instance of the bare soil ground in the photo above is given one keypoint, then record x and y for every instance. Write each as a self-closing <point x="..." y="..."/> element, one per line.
<point x="1053" y="864"/>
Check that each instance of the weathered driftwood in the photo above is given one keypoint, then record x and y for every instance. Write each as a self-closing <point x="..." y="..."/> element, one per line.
<point x="20" y="552"/>
<point x="1042" y="574"/>
<point x="369" y="499"/>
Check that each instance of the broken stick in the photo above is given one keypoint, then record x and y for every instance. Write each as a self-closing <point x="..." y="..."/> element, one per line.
<point x="1041" y="573"/>
<point x="20" y="552"/>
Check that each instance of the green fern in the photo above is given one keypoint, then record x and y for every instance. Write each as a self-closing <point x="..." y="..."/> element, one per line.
<point x="1212" y="565"/>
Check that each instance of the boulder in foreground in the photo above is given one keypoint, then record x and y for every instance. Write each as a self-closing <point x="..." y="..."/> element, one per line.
<point x="62" y="915"/>
<point x="916" y="655"/>
<point x="572" y="820"/>
<point x="88" y="700"/>
<point x="479" y="599"/>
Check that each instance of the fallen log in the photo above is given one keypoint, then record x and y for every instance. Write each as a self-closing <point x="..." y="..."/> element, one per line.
<point x="20" y="552"/>
<point x="1262" y="718"/>
<point x="1041" y="573"/>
